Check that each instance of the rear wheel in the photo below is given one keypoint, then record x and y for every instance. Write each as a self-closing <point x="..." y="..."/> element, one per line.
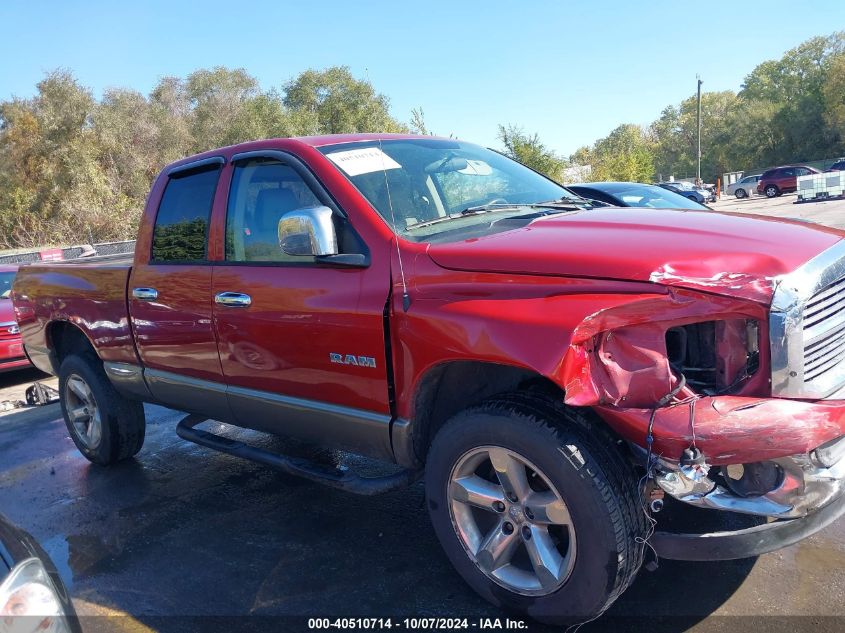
<point x="771" y="191"/>
<point x="536" y="507"/>
<point x="105" y="426"/>
<point x="740" y="193"/>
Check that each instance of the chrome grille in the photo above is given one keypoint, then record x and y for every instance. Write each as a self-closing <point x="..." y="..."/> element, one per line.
<point x="824" y="331"/>
<point x="807" y="328"/>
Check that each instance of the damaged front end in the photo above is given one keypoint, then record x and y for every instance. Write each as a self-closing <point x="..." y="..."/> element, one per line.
<point x="784" y="488"/>
<point x="732" y="405"/>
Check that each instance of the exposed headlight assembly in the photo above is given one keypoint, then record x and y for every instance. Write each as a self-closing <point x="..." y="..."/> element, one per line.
<point x="29" y="602"/>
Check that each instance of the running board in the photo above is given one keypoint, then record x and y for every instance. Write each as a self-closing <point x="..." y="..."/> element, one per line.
<point x="340" y="478"/>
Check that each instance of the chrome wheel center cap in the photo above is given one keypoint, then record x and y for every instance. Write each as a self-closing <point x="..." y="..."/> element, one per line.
<point x="517" y="515"/>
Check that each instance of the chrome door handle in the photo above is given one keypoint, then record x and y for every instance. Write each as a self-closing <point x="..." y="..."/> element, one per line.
<point x="233" y="299"/>
<point x="145" y="294"/>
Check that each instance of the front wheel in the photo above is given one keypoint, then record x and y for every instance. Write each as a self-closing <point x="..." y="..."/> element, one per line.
<point x="740" y="193"/>
<point x="105" y="426"/>
<point x="536" y="507"/>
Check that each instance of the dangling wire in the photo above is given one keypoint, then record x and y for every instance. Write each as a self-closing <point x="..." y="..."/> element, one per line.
<point x="406" y="298"/>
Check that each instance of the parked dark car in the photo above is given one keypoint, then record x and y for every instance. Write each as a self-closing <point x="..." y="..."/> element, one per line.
<point x="32" y="595"/>
<point x="634" y="194"/>
<point x="837" y="166"/>
<point x="779" y="180"/>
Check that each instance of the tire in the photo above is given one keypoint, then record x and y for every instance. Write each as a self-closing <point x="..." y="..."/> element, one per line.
<point x="771" y="191"/>
<point x="575" y="457"/>
<point x="740" y="193"/>
<point x="105" y="426"/>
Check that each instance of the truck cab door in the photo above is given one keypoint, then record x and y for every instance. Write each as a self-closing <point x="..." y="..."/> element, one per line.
<point x="170" y="296"/>
<point x="301" y="339"/>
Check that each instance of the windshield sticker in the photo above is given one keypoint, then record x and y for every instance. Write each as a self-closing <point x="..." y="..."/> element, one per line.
<point x="363" y="161"/>
<point x="476" y="168"/>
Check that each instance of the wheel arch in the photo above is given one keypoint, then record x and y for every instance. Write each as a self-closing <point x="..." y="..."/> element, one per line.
<point x="442" y="392"/>
<point x="65" y="338"/>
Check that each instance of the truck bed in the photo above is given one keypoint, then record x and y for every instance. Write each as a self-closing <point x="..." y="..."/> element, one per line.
<point x="90" y="293"/>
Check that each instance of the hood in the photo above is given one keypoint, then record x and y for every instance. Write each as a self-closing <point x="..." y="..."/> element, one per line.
<point x="728" y="254"/>
<point x="7" y="312"/>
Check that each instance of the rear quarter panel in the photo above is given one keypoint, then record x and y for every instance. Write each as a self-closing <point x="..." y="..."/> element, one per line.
<point x="90" y="295"/>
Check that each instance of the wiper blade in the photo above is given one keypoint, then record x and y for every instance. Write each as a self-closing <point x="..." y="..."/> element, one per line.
<point x="482" y="208"/>
<point x="564" y="203"/>
<point x="493" y="206"/>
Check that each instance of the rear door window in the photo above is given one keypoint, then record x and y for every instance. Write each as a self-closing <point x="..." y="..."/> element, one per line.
<point x="180" y="234"/>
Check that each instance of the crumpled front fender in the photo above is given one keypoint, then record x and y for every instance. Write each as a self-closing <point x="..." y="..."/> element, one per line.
<point x="618" y="356"/>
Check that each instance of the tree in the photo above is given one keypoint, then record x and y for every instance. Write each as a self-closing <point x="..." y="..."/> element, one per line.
<point x="675" y="135"/>
<point x="793" y="88"/>
<point x="51" y="184"/>
<point x="218" y="98"/>
<point x="418" y="125"/>
<point x="624" y="154"/>
<point x="833" y="98"/>
<point x="173" y="117"/>
<point x="74" y="170"/>
<point x="332" y="101"/>
<point x="531" y="152"/>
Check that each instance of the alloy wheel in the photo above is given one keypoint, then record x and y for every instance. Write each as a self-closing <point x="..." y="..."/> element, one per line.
<point x="83" y="412"/>
<point x="512" y="522"/>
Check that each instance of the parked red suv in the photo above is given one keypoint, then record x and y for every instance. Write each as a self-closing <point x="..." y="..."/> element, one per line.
<point x="784" y="179"/>
<point x="11" y="348"/>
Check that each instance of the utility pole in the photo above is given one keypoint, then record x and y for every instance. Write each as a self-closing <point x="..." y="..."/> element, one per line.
<point x="698" y="124"/>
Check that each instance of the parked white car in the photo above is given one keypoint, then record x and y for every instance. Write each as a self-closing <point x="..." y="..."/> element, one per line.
<point x="743" y="188"/>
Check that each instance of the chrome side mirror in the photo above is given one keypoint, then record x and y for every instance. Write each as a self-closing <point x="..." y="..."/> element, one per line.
<point x="307" y="232"/>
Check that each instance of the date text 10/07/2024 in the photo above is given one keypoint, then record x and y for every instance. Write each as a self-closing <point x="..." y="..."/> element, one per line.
<point x="417" y="624"/>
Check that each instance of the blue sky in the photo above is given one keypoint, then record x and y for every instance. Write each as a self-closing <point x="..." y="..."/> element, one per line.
<point x="569" y="71"/>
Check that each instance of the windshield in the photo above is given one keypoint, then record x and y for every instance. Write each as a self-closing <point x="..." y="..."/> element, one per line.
<point x="437" y="185"/>
<point x="655" y="198"/>
<point x="681" y="184"/>
<point x="6" y="280"/>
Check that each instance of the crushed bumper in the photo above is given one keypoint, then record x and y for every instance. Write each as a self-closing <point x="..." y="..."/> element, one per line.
<point x="801" y="486"/>
<point x="809" y="495"/>
<point x="734" y="429"/>
<point x="745" y="543"/>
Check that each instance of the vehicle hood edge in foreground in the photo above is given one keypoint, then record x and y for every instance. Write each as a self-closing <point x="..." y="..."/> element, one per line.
<point x="727" y="254"/>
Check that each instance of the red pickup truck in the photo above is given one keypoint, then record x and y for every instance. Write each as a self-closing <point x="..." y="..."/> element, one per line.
<point x="558" y="371"/>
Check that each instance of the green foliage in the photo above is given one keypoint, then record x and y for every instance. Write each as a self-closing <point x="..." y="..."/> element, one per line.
<point x="528" y="150"/>
<point x="418" y="125"/>
<point x="180" y="242"/>
<point x="795" y="93"/>
<point x="833" y="97"/>
<point x="625" y="154"/>
<point x="74" y="170"/>
<point x="332" y="101"/>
